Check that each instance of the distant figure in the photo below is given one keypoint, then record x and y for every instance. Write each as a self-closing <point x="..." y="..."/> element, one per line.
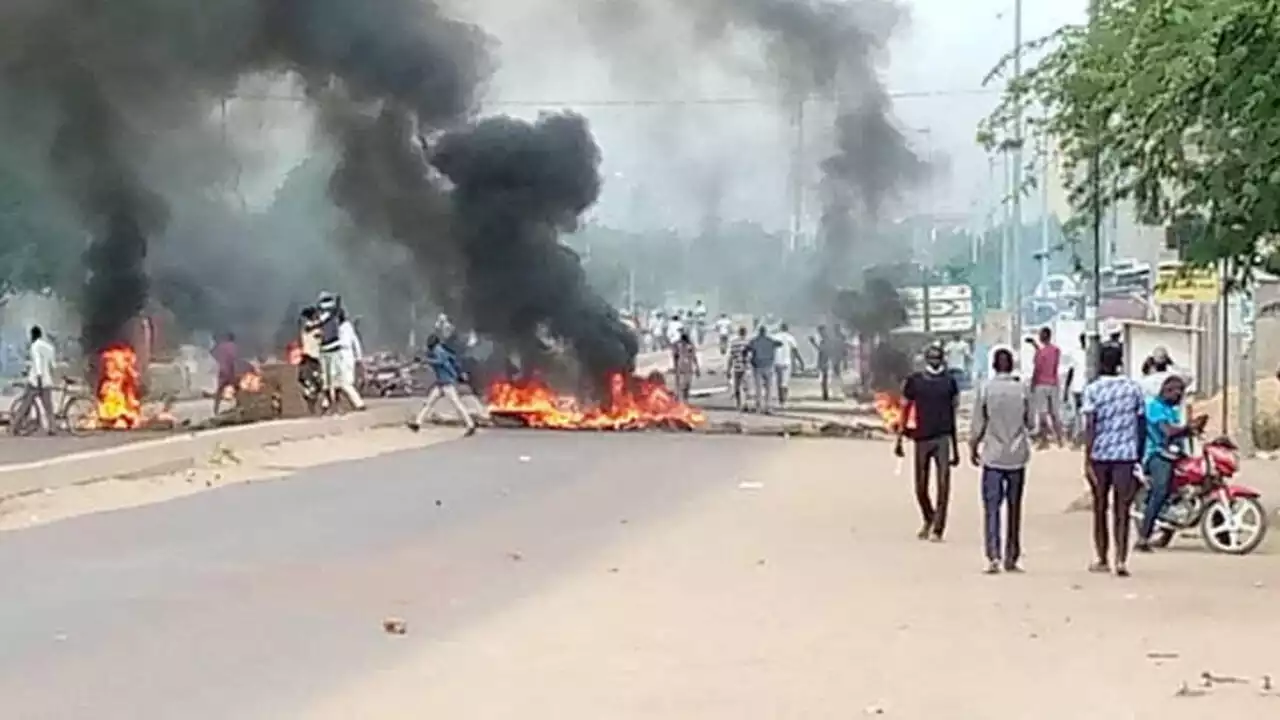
<point x="1000" y="445"/>
<point x="958" y="358"/>
<point x="830" y="350"/>
<point x="685" y="354"/>
<point x="42" y="358"/>
<point x="761" y="351"/>
<point x="738" y="359"/>
<point x="1115" y="432"/>
<point x="931" y="395"/>
<point x="1077" y="364"/>
<point x="227" y="357"/>
<point x="698" y="321"/>
<point x="788" y="356"/>
<point x="350" y="354"/>
<point x="1045" y="389"/>
<point x="675" y="328"/>
<point x="448" y="371"/>
<point x="724" y="331"/>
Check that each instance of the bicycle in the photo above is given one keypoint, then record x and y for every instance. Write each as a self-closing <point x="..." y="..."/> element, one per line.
<point x="76" y="413"/>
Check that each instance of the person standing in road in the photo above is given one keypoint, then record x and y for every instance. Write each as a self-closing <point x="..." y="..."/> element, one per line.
<point x="1077" y="364"/>
<point x="761" y="351"/>
<point x="958" y="359"/>
<point x="686" y="365"/>
<point x="42" y="358"/>
<point x="227" y="358"/>
<point x="788" y="353"/>
<point x="350" y="354"/>
<point x="1045" y="390"/>
<point x="1000" y="445"/>
<point x="737" y="370"/>
<point x="1166" y="441"/>
<point x="829" y="352"/>
<point x="931" y="395"/>
<point x="448" y="371"/>
<point x="1115" y="432"/>
<point x="724" y="331"/>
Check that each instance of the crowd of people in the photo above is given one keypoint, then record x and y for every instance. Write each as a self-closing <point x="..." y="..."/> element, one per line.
<point x="1128" y="428"/>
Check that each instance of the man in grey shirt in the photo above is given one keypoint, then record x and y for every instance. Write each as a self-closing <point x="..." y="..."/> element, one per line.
<point x="1000" y="444"/>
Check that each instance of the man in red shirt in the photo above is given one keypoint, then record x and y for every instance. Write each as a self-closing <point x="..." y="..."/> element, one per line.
<point x="1046" y="393"/>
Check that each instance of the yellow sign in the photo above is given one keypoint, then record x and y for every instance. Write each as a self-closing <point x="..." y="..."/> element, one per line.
<point x="1182" y="284"/>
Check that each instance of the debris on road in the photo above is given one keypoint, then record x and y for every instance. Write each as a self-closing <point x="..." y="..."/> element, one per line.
<point x="516" y="556"/>
<point x="525" y="458"/>
<point x="1185" y="690"/>
<point x="1162" y="656"/>
<point x="395" y="626"/>
<point x="1209" y="679"/>
<point x="750" y="485"/>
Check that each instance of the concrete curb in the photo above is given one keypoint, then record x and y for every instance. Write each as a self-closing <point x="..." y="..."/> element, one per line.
<point x="172" y="451"/>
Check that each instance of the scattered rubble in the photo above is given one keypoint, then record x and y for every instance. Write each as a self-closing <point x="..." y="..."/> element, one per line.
<point x="395" y="626"/>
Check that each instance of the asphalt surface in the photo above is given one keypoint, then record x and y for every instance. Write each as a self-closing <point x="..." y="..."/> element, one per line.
<point x="246" y="601"/>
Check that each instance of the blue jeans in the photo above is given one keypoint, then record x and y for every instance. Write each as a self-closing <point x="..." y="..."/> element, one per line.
<point x="1003" y="487"/>
<point x="1159" y="471"/>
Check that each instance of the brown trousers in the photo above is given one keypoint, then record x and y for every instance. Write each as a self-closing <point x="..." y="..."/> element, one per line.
<point x="937" y="451"/>
<point x="1113" y="484"/>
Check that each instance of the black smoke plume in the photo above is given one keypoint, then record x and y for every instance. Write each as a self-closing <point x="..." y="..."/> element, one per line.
<point x="110" y="78"/>
<point x="517" y="186"/>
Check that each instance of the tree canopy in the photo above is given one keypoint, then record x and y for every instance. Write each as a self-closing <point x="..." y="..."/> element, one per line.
<point x="1178" y="100"/>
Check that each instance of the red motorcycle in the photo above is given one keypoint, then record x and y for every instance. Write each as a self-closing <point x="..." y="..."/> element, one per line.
<point x="1230" y="517"/>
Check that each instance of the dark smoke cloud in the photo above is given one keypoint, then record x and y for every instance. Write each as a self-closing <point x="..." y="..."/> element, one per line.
<point x="386" y="78"/>
<point x="517" y="186"/>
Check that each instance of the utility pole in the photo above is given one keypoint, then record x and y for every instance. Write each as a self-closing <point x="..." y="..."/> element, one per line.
<point x="1044" y="210"/>
<point x="1247" y="397"/>
<point x="797" y="175"/>
<point x="1095" y="200"/>
<point x="1015" y="266"/>
<point x="1224" y="312"/>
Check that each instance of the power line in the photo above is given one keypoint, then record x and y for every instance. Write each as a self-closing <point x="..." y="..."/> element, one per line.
<point x="657" y="102"/>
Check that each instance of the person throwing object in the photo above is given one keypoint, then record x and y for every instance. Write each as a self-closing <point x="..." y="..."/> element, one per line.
<point x="448" y="372"/>
<point x="932" y="396"/>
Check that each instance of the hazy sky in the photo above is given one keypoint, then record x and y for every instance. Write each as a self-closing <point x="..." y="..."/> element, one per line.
<point x="671" y="165"/>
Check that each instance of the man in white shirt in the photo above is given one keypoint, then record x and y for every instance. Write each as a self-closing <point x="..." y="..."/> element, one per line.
<point x="41" y="359"/>
<point x="350" y="353"/>
<point x="788" y="349"/>
<point x="1075" y="368"/>
<point x="675" y="328"/>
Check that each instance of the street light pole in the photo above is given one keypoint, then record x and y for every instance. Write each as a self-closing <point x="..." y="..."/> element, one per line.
<point x="1095" y="199"/>
<point x="1015" y="257"/>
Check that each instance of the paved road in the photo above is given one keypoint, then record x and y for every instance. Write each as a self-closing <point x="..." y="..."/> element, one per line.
<point x="246" y="601"/>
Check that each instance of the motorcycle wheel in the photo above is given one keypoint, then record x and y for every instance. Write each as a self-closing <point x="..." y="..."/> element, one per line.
<point x="1251" y="519"/>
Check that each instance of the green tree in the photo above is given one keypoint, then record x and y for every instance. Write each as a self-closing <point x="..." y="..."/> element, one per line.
<point x="1172" y="104"/>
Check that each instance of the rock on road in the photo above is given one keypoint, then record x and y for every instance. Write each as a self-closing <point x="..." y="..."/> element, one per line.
<point x="561" y="576"/>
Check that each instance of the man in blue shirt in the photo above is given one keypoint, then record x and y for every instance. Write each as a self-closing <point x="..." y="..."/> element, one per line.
<point x="448" y="371"/>
<point x="1166" y="441"/>
<point x="1115" y="431"/>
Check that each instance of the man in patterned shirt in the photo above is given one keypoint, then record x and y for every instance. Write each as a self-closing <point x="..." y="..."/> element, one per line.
<point x="1115" y="426"/>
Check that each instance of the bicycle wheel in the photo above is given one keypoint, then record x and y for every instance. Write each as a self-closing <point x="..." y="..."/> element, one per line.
<point x="22" y="426"/>
<point x="80" y="415"/>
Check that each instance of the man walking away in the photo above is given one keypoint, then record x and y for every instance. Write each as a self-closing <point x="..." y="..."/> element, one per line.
<point x="686" y="365"/>
<point x="932" y="396"/>
<point x="761" y="351"/>
<point x="227" y="358"/>
<point x="41" y="360"/>
<point x="1000" y="445"/>
<point x="1115" y="431"/>
<point x="738" y="352"/>
<point x="350" y="355"/>
<point x="1045" y="389"/>
<point x="1166" y="442"/>
<point x="448" y="374"/>
<point x="829" y="354"/>
<point x="724" y="331"/>
<point x="788" y="351"/>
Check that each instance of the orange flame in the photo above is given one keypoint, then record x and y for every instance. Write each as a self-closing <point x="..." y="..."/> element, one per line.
<point x="890" y="409"/>
<point x="251" y="381"/>
<point x="119" y="406"/>
<point x="639" y="404"/>
<point x="293" y="353"/>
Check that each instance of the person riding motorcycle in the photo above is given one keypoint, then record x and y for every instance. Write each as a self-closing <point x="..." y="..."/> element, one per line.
<point x="1166" y="442"/>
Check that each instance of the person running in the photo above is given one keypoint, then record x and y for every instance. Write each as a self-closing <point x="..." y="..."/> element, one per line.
<point x="762" y="351"/>
<point x="1115" y="432"/>
<point x="1045" y="390"/>
<point x="737" y="370"/>
<point x="724" y="331"/>
<point x="42" y="358"/>
<point x="227" y="358"/>
<point x="448" y="371"/>
<point x="686" y="365"/>
<point x="787" y="357"/>
<point x="931" y="395"/>
<point x="1166" y="441"/>
<point x="1000" y="445"/>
